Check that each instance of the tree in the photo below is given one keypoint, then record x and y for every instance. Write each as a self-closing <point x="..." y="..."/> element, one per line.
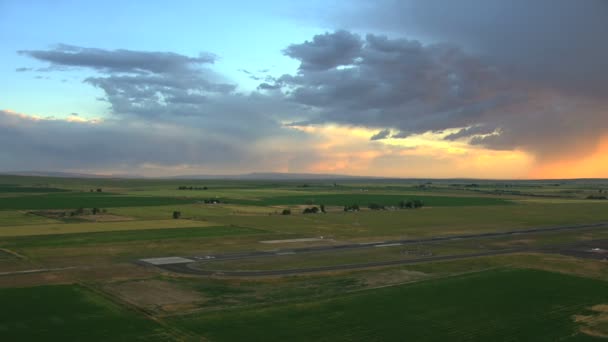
<point x="376" y="206"/>
<point x="353" y="207"/>
<point x="286" y="212"/>
<point x="411" y="204"/>
<point x="95" y="211"/>
<point x="323" y="208"/>
<point x="99" y="190"/>
<point x="312" y="210"/>
<point x="177" y="214"/>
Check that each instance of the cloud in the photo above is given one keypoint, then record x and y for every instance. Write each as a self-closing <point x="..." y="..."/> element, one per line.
<point x="558" y="43"/>
<point x="167" y="109"/>
<point x="495" y="75"/>
<point x="143" y="83"/>
<point x="398" y="83"/>
<point x="413" y="88"/>
<point x="112" y="61"/>
<point x="383" y="134"/>
<point x="133" y="146"/>
<point x="326" y="51"/>
<point x="469" y="132"/>
<point x="267" y="86"/>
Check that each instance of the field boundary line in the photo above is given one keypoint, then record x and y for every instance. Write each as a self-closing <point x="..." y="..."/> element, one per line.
<point x="13" y="253"/>
<point x="39" y="270"/>
<point x="176" y="333"/>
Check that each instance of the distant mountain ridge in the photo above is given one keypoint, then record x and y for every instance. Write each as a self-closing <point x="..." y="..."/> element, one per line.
<point x="65" y="174"/>
<point x="272" y="176"/>
<point x="286" y="177"/>
<point x="244" y="176"/>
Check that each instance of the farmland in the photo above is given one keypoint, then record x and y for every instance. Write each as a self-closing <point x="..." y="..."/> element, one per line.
<point x="513" y="304"/>
<point x="480" y="260"/>
<point x="60" y="313"/>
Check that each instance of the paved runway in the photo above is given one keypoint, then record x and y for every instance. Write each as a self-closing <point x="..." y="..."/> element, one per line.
<point x="185" y="264"/>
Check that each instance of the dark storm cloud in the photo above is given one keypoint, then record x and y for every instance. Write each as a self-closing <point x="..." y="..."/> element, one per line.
<point x="470" y="132"/>
<point x="118" y="60"/>
<point x="547" y="99"/>
<point x="398" y="83"/>
<point x="383" y="134"/>
<point x="326" y="51"/>
<point x="560" y="42"/>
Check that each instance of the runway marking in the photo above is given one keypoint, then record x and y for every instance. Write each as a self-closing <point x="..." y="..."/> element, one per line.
<point x="41" y="270"/>
<point x="167" y="260"/>
<point x="389" y="245"/>
<point x="293" y="240"/>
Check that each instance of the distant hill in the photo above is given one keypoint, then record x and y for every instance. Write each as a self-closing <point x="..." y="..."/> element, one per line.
<point x="245" y="176"/>
<point x="65" y="174"/>
<point x="278" y="176"/>
<point x="274" y="176"/>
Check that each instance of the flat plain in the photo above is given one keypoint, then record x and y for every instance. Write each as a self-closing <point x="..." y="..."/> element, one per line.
<point x="480" y="260"/>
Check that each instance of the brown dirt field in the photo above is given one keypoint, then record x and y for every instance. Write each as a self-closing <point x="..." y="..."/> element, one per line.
<point x="566" y="264"/>
<point x="58" y="214"/>
<point x="595" y="324"/>
<point x="392" y="277"/>
<point x="157" y="295"/>
<point x="105" y="218"/>
<point x="109" y="273"/>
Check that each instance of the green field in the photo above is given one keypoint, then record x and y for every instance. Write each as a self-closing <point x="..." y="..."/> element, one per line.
<point x="91" y="227"/>
<point x="10" y="218"/>
<point x="74" y="275"/>
<point x="69" y="200"/>
<point x="83" y="239"/>
<point x="516" y="305"/>
<point x="365" y="199"/>
<point x="12" y="188"/>
<point x="71" y="313"/>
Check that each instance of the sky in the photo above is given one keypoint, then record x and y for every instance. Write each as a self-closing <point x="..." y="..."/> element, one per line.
<point x="509" y="89"/>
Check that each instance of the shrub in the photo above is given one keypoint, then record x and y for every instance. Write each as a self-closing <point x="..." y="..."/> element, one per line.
<point x="376" y="206"/>
<point x="312" y="210"/>
<point x="353" y="207"/>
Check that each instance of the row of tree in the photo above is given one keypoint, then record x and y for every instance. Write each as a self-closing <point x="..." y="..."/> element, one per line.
<point x="85" y="211"/>
<point x="314" y="210"/>
<point x="409" y="204"/>
<point x="183" y="187"/>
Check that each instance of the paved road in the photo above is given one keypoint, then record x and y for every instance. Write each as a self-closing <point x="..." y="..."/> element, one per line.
<point x="187" y="266"/>
<point x="190" y="269"/>
<point x="40" y="270"/>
